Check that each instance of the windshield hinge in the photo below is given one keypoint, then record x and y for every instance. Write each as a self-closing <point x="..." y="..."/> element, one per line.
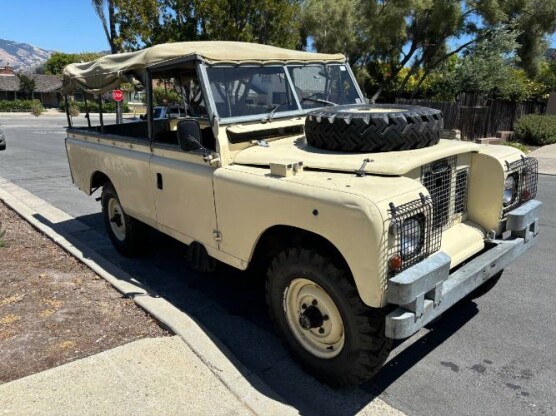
<point x="262" y="143"/>
<point x="361" y="171"/>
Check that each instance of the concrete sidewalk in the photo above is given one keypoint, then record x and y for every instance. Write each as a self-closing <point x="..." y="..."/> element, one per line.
<point x="546" y="156"/>
<point x="159" y="376"/>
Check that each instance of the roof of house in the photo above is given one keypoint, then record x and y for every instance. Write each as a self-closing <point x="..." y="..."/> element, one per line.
<point x="43" y="83"/>
<point x="108" y="72"/>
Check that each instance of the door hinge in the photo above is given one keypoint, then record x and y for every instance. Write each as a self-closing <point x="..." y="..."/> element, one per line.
<point x="217" y="235"/>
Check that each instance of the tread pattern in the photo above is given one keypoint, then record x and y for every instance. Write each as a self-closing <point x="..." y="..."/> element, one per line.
<point x="352" y="128"/>
<point x="369" y="347"/>
<point x="134" y="243"/>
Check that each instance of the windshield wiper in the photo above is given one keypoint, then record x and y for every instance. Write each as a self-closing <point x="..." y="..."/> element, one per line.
<point x="318" y="100"/>
<point x="272" y="110"/>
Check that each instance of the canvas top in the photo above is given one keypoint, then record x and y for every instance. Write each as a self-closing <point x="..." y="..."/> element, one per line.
<point x="108" y="72"/>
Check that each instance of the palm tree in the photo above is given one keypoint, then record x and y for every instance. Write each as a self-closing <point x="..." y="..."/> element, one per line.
<point x="109" y="25"/>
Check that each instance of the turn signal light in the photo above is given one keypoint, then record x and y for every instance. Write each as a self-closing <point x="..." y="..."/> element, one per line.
<point x="395" y="263"/>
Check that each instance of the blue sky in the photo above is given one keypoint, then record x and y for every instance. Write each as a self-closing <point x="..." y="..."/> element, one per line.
<point x="61" y="25"/>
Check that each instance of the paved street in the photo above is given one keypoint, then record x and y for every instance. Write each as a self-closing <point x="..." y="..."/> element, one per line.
<point x="494" y="356"/>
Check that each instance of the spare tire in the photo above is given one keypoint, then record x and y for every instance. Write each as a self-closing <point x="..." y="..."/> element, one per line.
<point x="373" y="127"/>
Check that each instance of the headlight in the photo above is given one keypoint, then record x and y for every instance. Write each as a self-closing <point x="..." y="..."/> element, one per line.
<point x="411" y="237"/>
<point x="509" y="190"/>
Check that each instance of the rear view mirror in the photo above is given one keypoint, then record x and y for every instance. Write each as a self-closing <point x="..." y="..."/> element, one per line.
<point x="189" y="135"/>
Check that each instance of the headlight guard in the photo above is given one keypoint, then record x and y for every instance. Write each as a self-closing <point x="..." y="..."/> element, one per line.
<point x="413" y="235"/>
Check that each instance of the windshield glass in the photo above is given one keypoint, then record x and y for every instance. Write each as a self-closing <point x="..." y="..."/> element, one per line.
<point x="247" y="91"/>
<point x="157" y="112"/>
<point x="316" y="84"/>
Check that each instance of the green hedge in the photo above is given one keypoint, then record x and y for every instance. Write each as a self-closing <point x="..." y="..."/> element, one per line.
<point x="536" y="129"/>
<point x="109" y="107"/>
<point x="18" y="106"/>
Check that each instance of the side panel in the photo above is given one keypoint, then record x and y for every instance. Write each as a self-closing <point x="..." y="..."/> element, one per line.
<point x="185" y="204"/>
<point x="126" y="164"/>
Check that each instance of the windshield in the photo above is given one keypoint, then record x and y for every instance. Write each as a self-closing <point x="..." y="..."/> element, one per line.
<point x="157" y="112"/>
<point x="251" y="90"/>
<point x="266" y="91"/>
<point x="315" y="84"/>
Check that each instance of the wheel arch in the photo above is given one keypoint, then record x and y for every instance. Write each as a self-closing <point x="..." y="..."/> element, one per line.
<point x="98" y="179"/>
<point x="278" y="237"/>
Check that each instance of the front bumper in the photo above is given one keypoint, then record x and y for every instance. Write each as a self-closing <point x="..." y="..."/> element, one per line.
<point x="427" y="289"/>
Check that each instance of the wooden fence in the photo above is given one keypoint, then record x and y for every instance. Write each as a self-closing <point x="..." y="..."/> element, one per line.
<point x="477" y="116"/>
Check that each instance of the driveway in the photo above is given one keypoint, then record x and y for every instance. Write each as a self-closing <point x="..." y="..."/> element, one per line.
<point x="492" y="356"/>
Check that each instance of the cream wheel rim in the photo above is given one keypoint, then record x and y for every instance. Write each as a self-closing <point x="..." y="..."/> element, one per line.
<point x="314" y="318"/>
<point x="116" y="218"/>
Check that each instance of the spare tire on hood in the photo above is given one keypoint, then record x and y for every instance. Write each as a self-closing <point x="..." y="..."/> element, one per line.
<point x="373" y="127"/>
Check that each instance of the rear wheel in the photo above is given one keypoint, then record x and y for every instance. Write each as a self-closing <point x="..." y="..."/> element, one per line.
<point x="317" y="310"/>
<point x="126" y="233"/>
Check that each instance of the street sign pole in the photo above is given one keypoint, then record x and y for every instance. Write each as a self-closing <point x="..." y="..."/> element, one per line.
<point x="118" y="96"/>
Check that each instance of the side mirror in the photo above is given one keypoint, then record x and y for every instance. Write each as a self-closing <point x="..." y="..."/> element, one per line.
<point x="189" y="135"/>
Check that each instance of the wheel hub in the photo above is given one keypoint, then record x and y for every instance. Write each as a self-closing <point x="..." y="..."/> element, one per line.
<point x="312" y="317"/>
<point x="117" y="219"/>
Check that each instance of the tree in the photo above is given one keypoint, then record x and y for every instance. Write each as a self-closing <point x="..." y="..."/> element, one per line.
<point x="108" y="22"/>
<point x="489" y="66"/>
<point x="58" y="60"/>
<point x="149" y="22"/>
<point x="385" y="36"/>
<point x="26" y="85"/>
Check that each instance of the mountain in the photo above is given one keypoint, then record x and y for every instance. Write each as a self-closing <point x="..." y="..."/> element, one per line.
<point x="21" y="56"/>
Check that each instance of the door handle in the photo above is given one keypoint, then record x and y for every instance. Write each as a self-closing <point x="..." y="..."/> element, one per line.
<point x="159" y="183"/>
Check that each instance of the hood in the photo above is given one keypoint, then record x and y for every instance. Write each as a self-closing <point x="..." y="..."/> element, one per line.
<point x="296" y="149"/>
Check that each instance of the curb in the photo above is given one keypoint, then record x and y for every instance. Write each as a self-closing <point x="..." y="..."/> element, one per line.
<point x="254" y="393"/>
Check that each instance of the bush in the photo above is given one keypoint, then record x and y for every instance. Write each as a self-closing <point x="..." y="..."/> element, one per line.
<point x="536" y="129"/>
<point x="37" y="108"/>
<point x="109" y="107"/>
<point x="18" y="106"/>
<point x="517" y="145"/>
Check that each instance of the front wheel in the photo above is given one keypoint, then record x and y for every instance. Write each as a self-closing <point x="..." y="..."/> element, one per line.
<point x="317" y="310"/>
<point x="127" y="234"/>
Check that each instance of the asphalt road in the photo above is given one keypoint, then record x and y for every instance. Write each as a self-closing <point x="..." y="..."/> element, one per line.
<point x="493" y="356"/>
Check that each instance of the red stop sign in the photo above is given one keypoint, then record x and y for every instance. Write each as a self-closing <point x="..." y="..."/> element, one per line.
<point x="117" y="95"/>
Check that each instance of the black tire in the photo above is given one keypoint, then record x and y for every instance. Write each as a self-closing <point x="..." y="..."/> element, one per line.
<point x="373" y="127"/>
<point x="134" y="236"/>
<point x="364" y="348"/>
<point x="485" y="287"/>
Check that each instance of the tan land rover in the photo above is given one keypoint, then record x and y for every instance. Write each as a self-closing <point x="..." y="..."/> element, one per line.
<point x="367" y="224"/>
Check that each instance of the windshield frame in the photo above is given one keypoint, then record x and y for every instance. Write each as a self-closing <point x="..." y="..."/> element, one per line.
<point x="278" y="114"/>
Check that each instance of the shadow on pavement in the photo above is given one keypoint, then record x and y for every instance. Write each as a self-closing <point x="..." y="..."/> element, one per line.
<point x="230" y="304"/>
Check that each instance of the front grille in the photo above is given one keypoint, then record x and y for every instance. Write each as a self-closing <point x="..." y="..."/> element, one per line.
<point x="430" y="236"/>
<point x="447" y="187"/>
<point x="526" y="172"/>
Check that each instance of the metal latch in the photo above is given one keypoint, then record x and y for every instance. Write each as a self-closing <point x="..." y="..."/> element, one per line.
<point x="361" y="171"/>
<point x="217" y="235"/>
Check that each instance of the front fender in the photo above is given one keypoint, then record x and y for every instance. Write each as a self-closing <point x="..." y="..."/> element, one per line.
<point x="249" y="202"/>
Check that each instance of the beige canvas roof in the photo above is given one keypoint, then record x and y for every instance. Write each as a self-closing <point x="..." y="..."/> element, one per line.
<point x="108" y="72"/>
